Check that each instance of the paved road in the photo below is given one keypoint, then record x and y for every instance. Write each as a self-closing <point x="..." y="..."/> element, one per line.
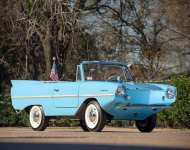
<point x="109" y="139"/>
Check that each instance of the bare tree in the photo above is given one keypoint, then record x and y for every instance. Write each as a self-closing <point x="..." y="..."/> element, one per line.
<point x="140" y="30"/>
<point x="54" y="22"/>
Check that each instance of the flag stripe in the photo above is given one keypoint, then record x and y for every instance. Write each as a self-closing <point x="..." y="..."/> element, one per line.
<point x="54" y="73"/>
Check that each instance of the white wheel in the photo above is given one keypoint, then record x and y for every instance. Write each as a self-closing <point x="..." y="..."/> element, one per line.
<point x="91" y="116"/>
<point x="37" y="118"/>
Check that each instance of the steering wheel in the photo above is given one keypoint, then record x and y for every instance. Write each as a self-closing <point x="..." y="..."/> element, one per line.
<point x="114" y="78"/>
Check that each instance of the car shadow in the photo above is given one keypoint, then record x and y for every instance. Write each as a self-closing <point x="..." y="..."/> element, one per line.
<point x="121" y="131"/>
<point x="69" y="146"/>
<point x="138" y="132"/>
<point x="102" y="131"/>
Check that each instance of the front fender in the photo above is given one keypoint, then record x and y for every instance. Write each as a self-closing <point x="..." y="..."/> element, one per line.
<point x="103" y="92"/>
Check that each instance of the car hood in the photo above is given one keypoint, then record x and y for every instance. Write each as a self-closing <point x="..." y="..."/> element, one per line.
<point x="145" y="86"/>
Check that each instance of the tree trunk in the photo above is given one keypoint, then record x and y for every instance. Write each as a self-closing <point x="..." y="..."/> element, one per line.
<point x="47" y="54"/>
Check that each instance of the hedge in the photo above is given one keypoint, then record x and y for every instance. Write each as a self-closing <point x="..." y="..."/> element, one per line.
<point x="178" y="116"/>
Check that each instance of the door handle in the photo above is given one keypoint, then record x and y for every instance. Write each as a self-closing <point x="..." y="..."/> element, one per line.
<point x="56" y="90"/>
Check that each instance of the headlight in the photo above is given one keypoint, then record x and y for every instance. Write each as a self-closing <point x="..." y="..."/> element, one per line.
<point x="170" y="93"/>
<point x="120" y="91"/>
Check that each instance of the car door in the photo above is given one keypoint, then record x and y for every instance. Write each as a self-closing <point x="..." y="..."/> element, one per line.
<point x="65" y="94"/>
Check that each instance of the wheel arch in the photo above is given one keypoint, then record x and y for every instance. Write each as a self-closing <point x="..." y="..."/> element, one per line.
<point x="83" y="105"/>
<point x="27" y="109"/>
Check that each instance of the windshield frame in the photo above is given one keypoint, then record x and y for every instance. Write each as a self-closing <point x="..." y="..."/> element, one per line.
<point x="123" y="66"/>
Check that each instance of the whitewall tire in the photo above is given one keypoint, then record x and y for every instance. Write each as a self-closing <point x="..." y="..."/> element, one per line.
<point x="93" y="118"/>
<point x="37" y="118"/>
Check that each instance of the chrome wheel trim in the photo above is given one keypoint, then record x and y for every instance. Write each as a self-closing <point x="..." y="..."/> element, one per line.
<point x="91" y="116"/>
<point x="35" y="116"/>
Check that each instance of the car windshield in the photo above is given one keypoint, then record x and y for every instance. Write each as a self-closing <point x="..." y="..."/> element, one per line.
<point x="107" y="72"/>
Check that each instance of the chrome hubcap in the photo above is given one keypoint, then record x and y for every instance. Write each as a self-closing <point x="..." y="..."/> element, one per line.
<point x="36" y="116"/>
<point x="92" y="115"/>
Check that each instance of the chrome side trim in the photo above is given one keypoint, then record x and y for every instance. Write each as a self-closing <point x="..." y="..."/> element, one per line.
<point x="61" y="96"/>
<point x="96" y="95"/>
<point x="30" y="97"/>
<point x="143" y="106"/>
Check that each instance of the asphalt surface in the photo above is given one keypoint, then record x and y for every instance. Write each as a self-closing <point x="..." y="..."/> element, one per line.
<point x="109" y="139"/>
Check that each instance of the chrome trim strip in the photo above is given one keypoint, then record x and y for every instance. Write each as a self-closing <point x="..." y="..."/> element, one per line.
<point x="61" y="96"/>
<point x="96" y="95"/>
<point x="30" y="97"/>
<point x="144" y="106"/>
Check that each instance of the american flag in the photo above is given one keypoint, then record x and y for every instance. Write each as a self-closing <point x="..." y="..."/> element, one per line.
<point x="54" y="73"/>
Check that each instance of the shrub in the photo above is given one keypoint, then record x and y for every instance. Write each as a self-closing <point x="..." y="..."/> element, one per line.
<point x="8" y="117"/>
<point x="178" y="116"/>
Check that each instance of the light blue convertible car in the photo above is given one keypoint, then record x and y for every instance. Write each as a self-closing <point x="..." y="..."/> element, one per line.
<point x="103" y="91"/>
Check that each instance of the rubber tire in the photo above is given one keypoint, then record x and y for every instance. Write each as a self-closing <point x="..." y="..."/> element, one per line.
<point x="44" y="121"/>
<point x="101" y="122"/>
<point x="83" y="125"/>
<point x="150" y="124"/>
